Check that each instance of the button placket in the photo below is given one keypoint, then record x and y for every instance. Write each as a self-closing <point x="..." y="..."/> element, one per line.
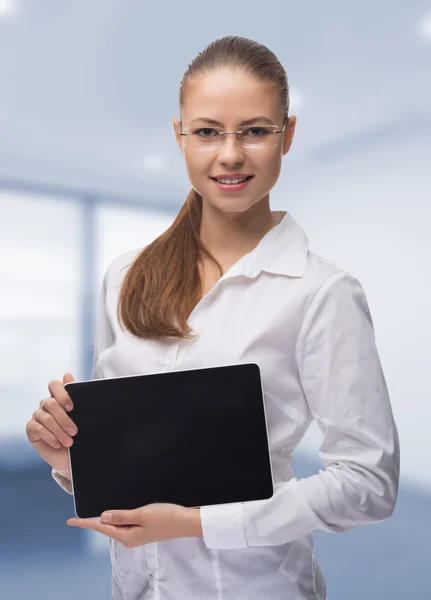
<point x="150" y="552"/>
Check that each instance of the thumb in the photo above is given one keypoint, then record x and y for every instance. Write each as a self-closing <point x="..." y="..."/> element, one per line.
<point x="67" y="378"/>
<point x="120" y="517"/>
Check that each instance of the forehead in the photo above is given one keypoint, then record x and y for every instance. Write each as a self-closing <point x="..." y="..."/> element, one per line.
<point x="229" y="94"/>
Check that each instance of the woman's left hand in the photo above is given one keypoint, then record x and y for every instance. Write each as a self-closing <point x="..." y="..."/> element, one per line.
<point x="150" y="523"/>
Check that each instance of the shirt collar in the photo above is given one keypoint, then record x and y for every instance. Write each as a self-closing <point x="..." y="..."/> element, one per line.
<point x="282" y="250"/>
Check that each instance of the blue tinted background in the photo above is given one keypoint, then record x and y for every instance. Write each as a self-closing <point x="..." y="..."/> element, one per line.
<point x="89" y="168"/>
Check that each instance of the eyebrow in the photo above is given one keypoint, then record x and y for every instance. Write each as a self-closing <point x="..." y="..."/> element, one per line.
<point x="246" y="122"/>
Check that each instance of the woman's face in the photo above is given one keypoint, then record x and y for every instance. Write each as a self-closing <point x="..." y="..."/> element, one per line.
<point x="230" y="97"/>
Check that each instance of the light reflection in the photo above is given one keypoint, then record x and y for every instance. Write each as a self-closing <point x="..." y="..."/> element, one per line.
<point x="296" y="101"/>
<point x="7" y="7"/>
<point x="425" y="27"/>
<point x="153" y="162"/>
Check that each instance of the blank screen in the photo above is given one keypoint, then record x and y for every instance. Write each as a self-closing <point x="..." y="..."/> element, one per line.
<point x="194" y="437"/>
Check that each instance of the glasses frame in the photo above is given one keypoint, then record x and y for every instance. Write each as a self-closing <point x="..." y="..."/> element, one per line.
<point x="238" y="134"/>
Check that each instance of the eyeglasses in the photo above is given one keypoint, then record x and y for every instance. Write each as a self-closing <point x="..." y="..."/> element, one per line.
<point x="249" y="136"/>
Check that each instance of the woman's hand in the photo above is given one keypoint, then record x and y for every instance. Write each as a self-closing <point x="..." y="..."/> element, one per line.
<point x="47" y="430"/>
<point x="150" y="523"/>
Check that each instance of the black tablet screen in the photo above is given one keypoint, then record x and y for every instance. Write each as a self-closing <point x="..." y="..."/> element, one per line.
<point x="193" y="437"/>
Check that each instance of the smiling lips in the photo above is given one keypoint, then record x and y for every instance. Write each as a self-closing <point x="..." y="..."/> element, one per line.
<point x="232" y="178"/>
<point x="232" y="183"/>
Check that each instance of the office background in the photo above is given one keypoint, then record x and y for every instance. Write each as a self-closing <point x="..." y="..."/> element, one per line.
<point x="89" y="168"/>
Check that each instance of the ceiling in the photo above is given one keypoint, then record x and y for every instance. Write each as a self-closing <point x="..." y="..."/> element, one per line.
<point x="88" y="89"/>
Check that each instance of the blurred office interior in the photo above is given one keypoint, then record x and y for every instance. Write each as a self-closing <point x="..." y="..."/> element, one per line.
<point x="89" y="168"/>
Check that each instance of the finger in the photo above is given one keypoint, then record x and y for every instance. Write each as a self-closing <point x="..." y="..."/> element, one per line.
<point x="126" y="535"/>
<point x="51" y="406"/>
<point x="120" y="517"/>
<point x="36" y="432"/>
<point x="48" y="421"/>
<point x="57" y="391"/>
<point x="111" y="531"/>
<point x="68" y="378"/>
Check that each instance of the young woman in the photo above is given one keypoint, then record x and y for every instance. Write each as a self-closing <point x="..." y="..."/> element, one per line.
<point x="233" y="281"/>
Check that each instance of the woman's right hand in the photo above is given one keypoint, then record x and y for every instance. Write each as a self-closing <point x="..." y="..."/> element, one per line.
<point x="47" y="430"/>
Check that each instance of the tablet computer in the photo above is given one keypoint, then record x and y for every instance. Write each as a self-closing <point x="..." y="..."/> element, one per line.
<point x="192" y="437"/>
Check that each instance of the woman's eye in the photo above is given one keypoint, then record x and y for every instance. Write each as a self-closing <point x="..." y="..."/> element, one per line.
<point x="255" y="131"/>
<point x="206" y="132"/>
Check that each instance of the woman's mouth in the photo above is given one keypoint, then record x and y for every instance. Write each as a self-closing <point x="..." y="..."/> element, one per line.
<point x="232" y="185"/>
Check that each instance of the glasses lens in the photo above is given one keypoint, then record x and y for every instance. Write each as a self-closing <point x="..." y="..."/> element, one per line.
<point x="209" y="138"/>
<point x="259" y="137"/>
<point x="203" y="138"/>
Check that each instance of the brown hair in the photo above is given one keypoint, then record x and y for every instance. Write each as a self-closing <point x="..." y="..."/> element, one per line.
<point x="163" y="283"/>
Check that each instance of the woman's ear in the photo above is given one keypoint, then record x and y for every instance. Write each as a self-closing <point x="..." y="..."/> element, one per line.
<point x="288" y="134"/>
<point x="176" y="125"/>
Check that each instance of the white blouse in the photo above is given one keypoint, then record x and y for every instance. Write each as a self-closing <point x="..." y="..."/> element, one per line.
<point x="307" y="324"/>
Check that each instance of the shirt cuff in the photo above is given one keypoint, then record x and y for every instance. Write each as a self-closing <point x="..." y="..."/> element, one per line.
<point x="223" y="526"/>
<point x="62" y="481"/>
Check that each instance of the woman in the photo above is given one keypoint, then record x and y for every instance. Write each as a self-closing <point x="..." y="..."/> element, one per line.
<point x="232" y="281"/>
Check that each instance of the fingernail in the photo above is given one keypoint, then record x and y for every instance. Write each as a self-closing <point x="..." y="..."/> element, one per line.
<point x="106" y="517"/>
<point x="69" y="406"/>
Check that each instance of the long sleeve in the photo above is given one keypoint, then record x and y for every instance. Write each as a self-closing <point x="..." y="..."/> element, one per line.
<point x="103" y="339"/>
<point x="345" y="388"/>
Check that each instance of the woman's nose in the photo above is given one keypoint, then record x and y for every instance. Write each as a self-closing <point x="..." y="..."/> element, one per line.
<point x="231" y="150"/>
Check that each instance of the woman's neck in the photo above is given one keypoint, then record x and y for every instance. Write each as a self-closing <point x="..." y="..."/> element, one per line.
<point x="229" y="236"/>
